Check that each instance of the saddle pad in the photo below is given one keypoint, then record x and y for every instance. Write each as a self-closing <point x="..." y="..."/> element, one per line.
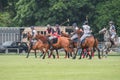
<point x="55" y="40"/>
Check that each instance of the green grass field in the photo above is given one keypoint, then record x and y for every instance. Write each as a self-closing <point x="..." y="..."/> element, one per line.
<point x="17" y="67"/>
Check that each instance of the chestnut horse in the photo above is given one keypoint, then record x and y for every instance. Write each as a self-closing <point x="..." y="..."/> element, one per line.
<point x="45" y="44"/>
<point x="62" y="42"/>
<point x="74" y="44"/>
<point x="37" y="45"/>
<point x="90" y="44"/>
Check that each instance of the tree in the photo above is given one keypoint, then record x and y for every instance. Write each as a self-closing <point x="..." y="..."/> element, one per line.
<point x="25" y="12"/>
<point x="107" y="11"/>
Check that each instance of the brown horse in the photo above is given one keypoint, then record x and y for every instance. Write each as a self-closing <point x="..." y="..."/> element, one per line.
<point x="37" y="45"/>
<point x="64" y="44"/>
<point x="74" y="44"/>
<point x="45" y="44"/>
<point x="90" y="44"/>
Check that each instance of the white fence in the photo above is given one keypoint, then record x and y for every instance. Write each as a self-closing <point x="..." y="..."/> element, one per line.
<point x="9" y="34"/>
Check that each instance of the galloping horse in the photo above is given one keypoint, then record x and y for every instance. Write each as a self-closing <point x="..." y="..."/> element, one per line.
<point x="90" y="44"/>
<point x="45" y="44"/>
<point x="62" y="42"/>
<point x="38" y="45"/>
<point x="68" y="36"/>
<point x="74" y="44"/>
<point x="107" y="43"/>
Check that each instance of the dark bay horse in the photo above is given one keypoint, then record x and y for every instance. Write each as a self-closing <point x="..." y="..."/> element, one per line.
<point x="107" y="44"/>
<point x="90" y="44"/>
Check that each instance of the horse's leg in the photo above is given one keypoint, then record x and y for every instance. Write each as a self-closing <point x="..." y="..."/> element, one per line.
<point x="66" y="54"/>
<point x="75" y="53"/>
<point x="98" y="52"/>
<point x="51" y="53"/>
<point x="48" y="53"/>
<point x="28" y="53"/>
<point x="35" y="54"/>
<point x="107" y="50"/>
<point x="102" y="52"/>
<point x="57" y="53"/>
<point x="84" y="53"/>
<point x="90" y="53"/>
<point x="81" y="54"/>
<point x="67" y="50"/>
<point x="44" y="55"/>
<point x="42" y="52"/>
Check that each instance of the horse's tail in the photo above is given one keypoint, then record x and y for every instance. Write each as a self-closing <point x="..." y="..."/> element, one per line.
<point x="95" y="43"/>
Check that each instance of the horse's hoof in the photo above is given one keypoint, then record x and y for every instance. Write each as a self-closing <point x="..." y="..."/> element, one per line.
<point x="74" y="57"/>
<point x="53" y="56"/>
<point x="79" y="58"/>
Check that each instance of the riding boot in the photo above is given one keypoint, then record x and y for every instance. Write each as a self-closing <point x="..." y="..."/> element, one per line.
<point x="112" y="41"/>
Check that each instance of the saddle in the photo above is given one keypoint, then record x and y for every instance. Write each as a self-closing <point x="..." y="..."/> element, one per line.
<point x="75" y="40"/>
<point x="55" y="40"/>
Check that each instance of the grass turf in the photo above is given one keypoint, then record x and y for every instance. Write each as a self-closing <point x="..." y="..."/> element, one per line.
<point x="17" y="67"/>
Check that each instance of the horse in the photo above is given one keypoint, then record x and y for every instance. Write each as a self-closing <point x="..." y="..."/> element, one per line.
<point x="46" y="44"/>
<point x="37" y="45"/>
<point x="107" y="44"/>
<point x="90" y="44"/>
<point x="61" y="42"/>
<point x="73" y="43"/>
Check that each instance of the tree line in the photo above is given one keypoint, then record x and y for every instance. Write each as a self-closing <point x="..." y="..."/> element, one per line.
<point x="23" y="13"/>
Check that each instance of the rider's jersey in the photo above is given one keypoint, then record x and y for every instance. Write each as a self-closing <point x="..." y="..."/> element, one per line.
<point x="86" y="29"/>
<point x="56" y="35"/>
<point x="34" y="32"/>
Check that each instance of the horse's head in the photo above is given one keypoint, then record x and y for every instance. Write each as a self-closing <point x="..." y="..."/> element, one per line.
<point x="29" y="36"/>
<point x="106" y="34"/>
<point x="102" y="31"/>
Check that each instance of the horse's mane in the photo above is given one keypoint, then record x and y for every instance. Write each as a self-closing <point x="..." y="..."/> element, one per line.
<point x="43" y="38"/>
<point x="65" y="35"/>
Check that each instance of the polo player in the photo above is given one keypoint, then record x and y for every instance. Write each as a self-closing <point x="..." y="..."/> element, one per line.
<point x="34" y="33"/>
<point x="75" y="35"/>
<point x="87" y="31"/>
<point x="112" y="31"/>
<point x="53" y="36"/>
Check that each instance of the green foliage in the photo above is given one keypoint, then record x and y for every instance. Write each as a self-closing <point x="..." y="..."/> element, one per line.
<point x="43" y="12"/>
<point x="5" y="19"/>
<point x="25" y="11"/>
<point x="107" y="11"/>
